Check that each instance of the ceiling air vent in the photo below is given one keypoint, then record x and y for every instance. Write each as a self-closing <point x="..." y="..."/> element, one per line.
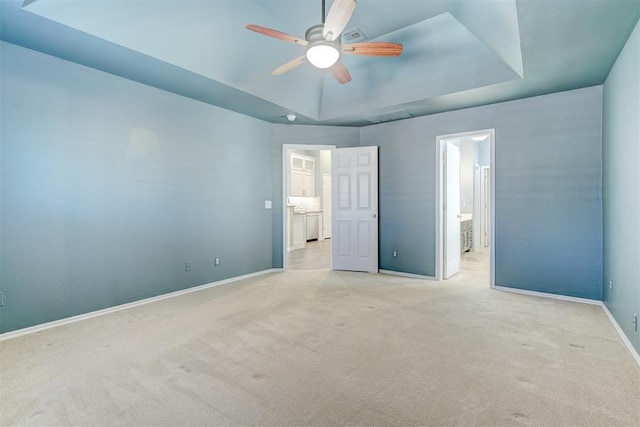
<point x="353" y="35"/>
<point x="389" y="117"/>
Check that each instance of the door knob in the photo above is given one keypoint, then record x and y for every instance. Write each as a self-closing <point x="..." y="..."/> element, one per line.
<point x="373" y="215"/>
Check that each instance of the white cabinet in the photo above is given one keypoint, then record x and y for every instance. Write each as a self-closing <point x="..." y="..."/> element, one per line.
<point x="297" y="162"/>
<point x="309" y="164"/>
<point x="309" y="184"/>
<point x="313" y="226"/>
<point x="302" y="176"/>
<point x="296" y="183"/>
<point x="298" y="231"/>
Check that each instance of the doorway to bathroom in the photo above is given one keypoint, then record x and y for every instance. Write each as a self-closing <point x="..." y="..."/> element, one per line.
<point x="465" y="212"/>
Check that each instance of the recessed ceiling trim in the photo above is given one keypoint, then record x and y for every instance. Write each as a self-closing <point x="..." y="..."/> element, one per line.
<point x="389" y="116"/>
<point x="432" y="76"/>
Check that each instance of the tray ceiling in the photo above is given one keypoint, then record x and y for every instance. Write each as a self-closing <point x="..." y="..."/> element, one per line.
<point x="457" y="53"/>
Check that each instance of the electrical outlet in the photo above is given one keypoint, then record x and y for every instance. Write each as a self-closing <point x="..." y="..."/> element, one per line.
<point x="216" y="261"/>
<point x="395" y="254"/>
<point x="2" y="299"/>
<point x="635" y="322"/>
<point x="187" y="266"/>
<point x="611" y="284"/>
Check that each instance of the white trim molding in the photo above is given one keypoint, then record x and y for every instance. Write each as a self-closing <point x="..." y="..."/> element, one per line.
<point x="616" y="326"/>
<point x="410" y="275"/>
<point x="92" y="314"/>
<point x="547" y="295"/>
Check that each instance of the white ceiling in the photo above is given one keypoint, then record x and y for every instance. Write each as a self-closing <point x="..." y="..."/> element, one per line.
<point x="457" y="53"/>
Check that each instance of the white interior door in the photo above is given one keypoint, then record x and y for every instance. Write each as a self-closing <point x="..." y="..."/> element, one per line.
<point x="486" y="206"/>
<point x="452" y="211"/>
<point x="326" y="206"/>
<point x="354" y="244"/>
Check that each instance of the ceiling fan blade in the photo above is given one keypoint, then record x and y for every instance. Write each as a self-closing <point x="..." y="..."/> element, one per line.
<point x="338" y="18"/>
<point x="289" y="65"/>
<point x="276" y="34"/>
<point x="373" y="49"/>
<point x="340" y="73"/>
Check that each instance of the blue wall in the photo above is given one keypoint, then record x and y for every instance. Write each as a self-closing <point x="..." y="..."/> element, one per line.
<point x="621" y="153"/>
<point x="548" y="190"/>
<point x="109" y="186"/>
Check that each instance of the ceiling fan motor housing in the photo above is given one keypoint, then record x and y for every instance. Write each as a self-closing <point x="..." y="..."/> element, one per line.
<point x="314" y="37"/>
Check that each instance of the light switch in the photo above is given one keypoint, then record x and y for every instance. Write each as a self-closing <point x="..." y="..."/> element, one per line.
<point x="267" y="204"/>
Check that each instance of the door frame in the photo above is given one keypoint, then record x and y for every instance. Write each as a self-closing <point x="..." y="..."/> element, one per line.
<point x="285" y="182"/>
<point x="440" y="150"/>
<point x="326" y="217"/>
<point x="483" y="215"/>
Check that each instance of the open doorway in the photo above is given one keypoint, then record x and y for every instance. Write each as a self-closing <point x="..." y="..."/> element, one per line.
<point x="465" y="208"/>
<point x="307" y="206"/>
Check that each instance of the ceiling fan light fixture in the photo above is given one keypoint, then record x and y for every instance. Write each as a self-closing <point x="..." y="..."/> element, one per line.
<point x="324" y="42"/>
<point x="323" y="55"/>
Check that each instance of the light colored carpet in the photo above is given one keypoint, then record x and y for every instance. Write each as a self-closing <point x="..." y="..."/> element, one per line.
<point x="315" y="256"/>
<point x="328" y="348"/>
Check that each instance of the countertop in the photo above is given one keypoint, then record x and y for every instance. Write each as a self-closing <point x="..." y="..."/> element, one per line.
<point x="305" y="212"/>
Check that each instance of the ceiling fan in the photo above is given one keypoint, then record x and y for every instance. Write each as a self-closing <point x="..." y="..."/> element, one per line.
<point x="323" y="43"/>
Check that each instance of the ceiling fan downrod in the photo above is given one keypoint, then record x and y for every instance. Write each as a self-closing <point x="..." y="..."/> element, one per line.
<point x="323" y="10"/>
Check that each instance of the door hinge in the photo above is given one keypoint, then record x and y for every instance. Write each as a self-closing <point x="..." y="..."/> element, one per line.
<point x="444" y="156"/>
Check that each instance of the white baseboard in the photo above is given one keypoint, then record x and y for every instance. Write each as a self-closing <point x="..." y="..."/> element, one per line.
<point x="547" y="295"/>
<point x="613" y="321"/>
<point x="410" y="275"/>
<point x="617" y="327"/>
<point x="67" y="320"/>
